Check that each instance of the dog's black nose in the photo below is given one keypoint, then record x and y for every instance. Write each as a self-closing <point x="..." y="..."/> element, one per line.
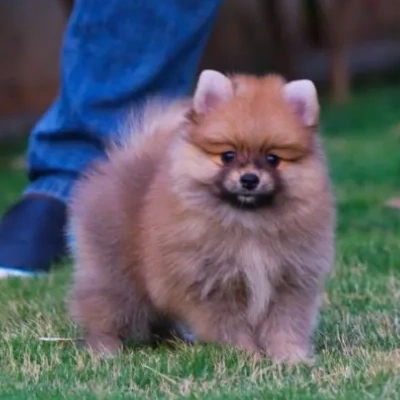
<point x="249" y="181"/>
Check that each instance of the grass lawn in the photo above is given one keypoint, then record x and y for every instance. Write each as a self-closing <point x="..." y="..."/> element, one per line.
<point x="358" y="342"/>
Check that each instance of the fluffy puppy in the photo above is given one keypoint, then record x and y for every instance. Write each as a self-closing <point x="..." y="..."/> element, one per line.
<point x="216" y="213"/>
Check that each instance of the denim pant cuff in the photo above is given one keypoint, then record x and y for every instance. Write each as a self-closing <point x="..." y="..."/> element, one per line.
<point x="57" y="186"/>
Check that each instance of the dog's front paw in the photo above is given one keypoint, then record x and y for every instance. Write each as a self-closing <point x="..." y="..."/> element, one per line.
<point x="289" y="353"/>
<point x="103" y="345"/>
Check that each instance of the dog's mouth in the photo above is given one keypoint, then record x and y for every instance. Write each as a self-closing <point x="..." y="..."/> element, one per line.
<point x="248" y="201"/>
<point x="246" y="198"/>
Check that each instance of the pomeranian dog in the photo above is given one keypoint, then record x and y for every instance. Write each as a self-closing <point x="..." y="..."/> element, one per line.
<point x="216" y="213"/>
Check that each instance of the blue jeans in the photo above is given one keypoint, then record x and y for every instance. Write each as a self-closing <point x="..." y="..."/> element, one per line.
<point x="115" y="54"/>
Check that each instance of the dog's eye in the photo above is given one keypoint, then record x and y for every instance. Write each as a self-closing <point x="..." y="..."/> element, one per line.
<point x="228" y="157"/>
<point x="272" y="159"/>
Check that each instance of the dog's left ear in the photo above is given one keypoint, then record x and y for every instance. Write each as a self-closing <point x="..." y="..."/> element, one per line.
<point x="303" y="98"/>
<point x="213" y="89"/>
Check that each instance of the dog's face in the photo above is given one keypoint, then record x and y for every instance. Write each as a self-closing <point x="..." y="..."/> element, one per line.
<point x="254" y="145"/>
<point x="248" y="179"/>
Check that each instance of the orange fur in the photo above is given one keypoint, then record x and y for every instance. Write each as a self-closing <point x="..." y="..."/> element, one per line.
<point x="156" y="242"/>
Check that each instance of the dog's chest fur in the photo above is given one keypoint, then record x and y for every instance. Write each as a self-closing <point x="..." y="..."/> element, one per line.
<point x="239" y="271"/>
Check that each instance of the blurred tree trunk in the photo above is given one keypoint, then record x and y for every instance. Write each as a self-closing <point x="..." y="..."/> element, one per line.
<point x="68" y="5"/>
<point x="340" y="18"/>
<point x="281" y="16"/>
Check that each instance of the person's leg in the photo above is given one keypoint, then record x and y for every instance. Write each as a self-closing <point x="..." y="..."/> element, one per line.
<point x="113" y="58"/>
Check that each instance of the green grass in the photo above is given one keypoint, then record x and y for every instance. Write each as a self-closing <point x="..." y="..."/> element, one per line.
<point x="358" y="342"/>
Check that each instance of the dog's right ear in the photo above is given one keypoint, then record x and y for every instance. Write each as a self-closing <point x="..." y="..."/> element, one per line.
<point x="303" y="98"/>
<point x="212" y="90"/>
